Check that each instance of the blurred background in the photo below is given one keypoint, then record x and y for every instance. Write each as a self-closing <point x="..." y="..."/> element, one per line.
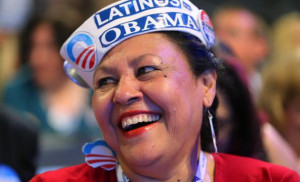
<point x="45" y="118"/>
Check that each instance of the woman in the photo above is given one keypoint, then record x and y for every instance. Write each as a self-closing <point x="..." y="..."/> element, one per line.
<point x="240" y="131"/>
<point x="238" y="123"/>
<point x="151" y="90"/>
<point x="280" y="98"/>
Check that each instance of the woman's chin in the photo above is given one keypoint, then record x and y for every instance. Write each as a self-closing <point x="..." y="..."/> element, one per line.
<point x="140" y="158"/>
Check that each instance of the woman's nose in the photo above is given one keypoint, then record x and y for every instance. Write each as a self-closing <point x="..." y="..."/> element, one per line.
<point x="127" y="91"/>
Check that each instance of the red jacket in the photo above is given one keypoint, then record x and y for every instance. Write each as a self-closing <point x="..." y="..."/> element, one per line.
<point x="228" y="168"/>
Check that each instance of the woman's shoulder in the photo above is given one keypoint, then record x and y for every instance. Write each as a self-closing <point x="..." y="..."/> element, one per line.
<point x="236" y="168"/>
<point x="81" y="172"/>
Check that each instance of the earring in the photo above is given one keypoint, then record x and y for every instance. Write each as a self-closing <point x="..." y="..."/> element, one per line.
<point x="210" y="117"/>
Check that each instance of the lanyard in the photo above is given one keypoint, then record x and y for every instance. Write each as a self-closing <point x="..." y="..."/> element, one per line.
<point x="202" y="163"/>
<point x="199" y="176"/>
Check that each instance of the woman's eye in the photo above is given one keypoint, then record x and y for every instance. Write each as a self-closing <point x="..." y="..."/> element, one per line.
<point x="144" y="70"/>
<point x="105" y="81"/>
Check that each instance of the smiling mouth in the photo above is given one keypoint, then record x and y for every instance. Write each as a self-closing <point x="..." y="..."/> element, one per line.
<point x="138" y="121"/>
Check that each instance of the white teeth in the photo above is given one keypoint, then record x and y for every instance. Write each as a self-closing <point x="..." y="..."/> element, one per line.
<point x="156" y="117"/>
<point x="141" y="118"/>
<point x="130" y="121"/>
<point x="135" y="120"/>
<point x="126" y="122"/>
<point x="145" y="118"/>
<point x="153" y="118"/>
<point x="150" y="118"/>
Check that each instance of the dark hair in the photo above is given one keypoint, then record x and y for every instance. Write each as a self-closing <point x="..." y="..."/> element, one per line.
<point x="200" y="59"/>
<point x="61" y="31"/>
<point x="245" y="139"/>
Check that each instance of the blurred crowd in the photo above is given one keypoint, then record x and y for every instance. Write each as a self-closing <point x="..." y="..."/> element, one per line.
<point x="45" y="118"/>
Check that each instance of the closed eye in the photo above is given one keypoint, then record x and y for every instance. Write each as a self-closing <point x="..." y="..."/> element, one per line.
<point x="145" y="69"/>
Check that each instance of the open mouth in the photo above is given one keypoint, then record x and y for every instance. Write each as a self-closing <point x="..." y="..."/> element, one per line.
<point x="138" y="121"/>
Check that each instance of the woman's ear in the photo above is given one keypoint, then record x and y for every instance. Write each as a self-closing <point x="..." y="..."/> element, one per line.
<point x="208" y="80"/>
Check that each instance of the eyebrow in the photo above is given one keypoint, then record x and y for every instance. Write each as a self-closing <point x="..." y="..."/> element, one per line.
<point x="107" y="69"/>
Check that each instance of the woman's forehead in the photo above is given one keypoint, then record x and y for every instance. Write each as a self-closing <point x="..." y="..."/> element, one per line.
<point x="149" y="49"/>
<point x="145" y="39"/>
<point x="146" y="44"/>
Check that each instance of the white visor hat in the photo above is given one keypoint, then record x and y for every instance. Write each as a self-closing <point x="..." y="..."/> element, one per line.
<point x="108" y="27"/>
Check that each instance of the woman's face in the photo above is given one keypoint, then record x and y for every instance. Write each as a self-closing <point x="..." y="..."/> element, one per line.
<point x="147" y="79"/>
<point x="44" y="58"/>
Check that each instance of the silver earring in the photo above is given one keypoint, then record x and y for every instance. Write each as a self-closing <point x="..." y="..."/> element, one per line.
<point x="210" y="117"/>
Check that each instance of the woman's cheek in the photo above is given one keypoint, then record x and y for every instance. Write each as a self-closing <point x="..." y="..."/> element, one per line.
<point x="101" y="108"/>
<point x="107" y="130"/>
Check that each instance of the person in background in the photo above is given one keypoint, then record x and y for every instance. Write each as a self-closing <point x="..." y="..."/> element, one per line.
<point x="18" y="145"/>
<point x="246" y="35"/>
<point x="240" y="121"/>
<point x="286" y="36"/>
<point x="154" y="80"/>
<point x="14" y="14"/>
<point x="42" y="89"/>
<point x="280" y="98"/>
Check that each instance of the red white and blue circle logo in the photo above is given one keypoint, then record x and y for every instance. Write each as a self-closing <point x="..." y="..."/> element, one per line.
<point x="207" y="29"/>
<point x="99" y="154"/>
<point x="81" y="50"/>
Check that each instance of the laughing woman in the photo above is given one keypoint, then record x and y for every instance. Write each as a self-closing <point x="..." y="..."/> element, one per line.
<point x="154" y="82"/>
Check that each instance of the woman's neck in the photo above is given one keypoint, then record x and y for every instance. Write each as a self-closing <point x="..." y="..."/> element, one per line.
<point x="162" y="173"/>
<point x="184" y="170"/>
